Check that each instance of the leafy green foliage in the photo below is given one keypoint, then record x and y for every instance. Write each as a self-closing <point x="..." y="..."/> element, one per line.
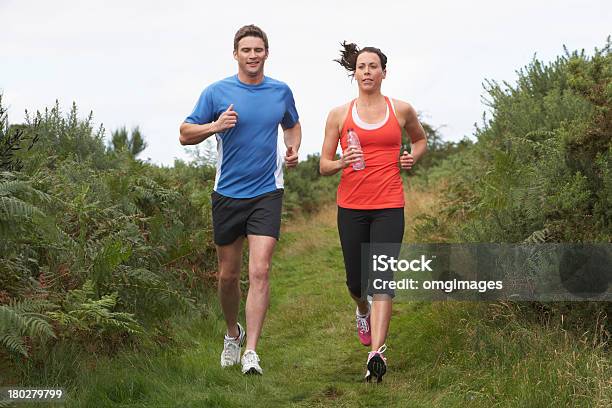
<point x="12" y="139"/>
<point x="115" y="247"/>
<point x="82" y="311"/>
<point x="60" y="137"/>
<point x="541" y="162"/>
<point x="306" y="190"/>
<point x="19" y="319"/>
<point x="438" y="150"/>
<point x="540" y="171"/>
<point x="132" y="144"/>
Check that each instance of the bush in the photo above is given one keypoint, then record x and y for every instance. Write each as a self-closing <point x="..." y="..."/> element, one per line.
<point x="96" y="247"/>
<point x="542" y="162"/>
<point x="540" y="171"/>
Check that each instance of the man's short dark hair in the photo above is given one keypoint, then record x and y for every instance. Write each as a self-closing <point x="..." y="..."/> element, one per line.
<point x="250" y="31"/>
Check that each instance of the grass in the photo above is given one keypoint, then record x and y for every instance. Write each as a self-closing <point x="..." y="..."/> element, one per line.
<point x="442" y="354"/>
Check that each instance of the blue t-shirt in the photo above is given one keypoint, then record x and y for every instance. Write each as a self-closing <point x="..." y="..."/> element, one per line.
<point x="249" y="163"/>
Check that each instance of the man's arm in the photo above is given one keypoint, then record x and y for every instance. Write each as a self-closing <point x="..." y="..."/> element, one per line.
<point x="192" y="134"/>
<point x="293" y="139"/>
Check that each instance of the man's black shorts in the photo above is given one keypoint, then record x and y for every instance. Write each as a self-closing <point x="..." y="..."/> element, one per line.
<point x="235" y="217"/>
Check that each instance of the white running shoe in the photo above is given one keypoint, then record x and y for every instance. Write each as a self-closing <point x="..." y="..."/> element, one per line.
<point x="250" y="363"/>
<point x="231" y="348"/>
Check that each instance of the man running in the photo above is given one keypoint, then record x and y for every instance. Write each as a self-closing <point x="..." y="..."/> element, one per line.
<point x="244" y="112"/>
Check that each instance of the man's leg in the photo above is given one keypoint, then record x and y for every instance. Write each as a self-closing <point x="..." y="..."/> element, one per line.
<point x="261" y="248"/>
<point x="229" y="257"/>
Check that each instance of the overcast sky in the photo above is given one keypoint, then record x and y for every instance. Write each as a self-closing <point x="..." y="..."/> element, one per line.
<point x="145" y="62"/>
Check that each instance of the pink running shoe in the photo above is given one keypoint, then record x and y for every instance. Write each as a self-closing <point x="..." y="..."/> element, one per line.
<point x="377" y="364"/>
<point x="363" y="328"/>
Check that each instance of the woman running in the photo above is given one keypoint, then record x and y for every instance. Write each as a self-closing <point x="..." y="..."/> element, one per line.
<point x="371" y="198"/>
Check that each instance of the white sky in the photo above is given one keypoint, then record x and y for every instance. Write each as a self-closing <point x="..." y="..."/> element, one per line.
<point x="145" y="62"/>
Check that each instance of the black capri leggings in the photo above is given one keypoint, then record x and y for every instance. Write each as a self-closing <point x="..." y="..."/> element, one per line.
<point x="366" y="226"/>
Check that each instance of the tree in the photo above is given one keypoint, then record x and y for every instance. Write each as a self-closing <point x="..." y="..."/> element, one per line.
<point x="12" y="139"/>
<point x="122" y="142"/>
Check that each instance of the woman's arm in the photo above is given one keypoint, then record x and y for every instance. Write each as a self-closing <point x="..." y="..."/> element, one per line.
<point x="418" y="138"/>
<point x="327" y="165"/>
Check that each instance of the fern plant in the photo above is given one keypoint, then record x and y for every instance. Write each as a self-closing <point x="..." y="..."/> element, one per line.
<point x="11" y="206"/>
<point x="24" y="318"/>
<point x="81" y="311"/>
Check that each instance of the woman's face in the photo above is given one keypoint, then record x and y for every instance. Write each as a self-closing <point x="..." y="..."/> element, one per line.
<point x="368" y="72"/>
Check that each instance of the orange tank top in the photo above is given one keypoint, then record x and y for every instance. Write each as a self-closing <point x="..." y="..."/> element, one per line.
<point x="379" y="185"/>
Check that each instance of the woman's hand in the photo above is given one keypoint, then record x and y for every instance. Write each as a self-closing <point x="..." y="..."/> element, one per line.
<point x="406" y="161"/>
<point x="350" y="156"/>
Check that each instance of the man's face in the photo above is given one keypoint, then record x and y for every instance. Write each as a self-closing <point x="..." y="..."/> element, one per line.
<point x="369" y="73"/>
<point x="251" y="55"/>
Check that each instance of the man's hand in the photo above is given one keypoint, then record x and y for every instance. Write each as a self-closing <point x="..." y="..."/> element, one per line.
<point x="227" y="120"/>
<point x="291" y="157"/>
<point x="406" y="160"/>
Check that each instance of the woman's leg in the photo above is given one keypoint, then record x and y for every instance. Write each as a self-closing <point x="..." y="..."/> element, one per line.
<point x="387" y="227"/>
<point x="354" y="229"/>
<point x="380" y="316"/>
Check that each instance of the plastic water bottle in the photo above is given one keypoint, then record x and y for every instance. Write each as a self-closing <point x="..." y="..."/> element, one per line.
<point x="353" y="141"/>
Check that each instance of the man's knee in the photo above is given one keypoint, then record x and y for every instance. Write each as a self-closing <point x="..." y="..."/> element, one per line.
<point x="228" y="275"/>
<point x="259" y="272"/>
